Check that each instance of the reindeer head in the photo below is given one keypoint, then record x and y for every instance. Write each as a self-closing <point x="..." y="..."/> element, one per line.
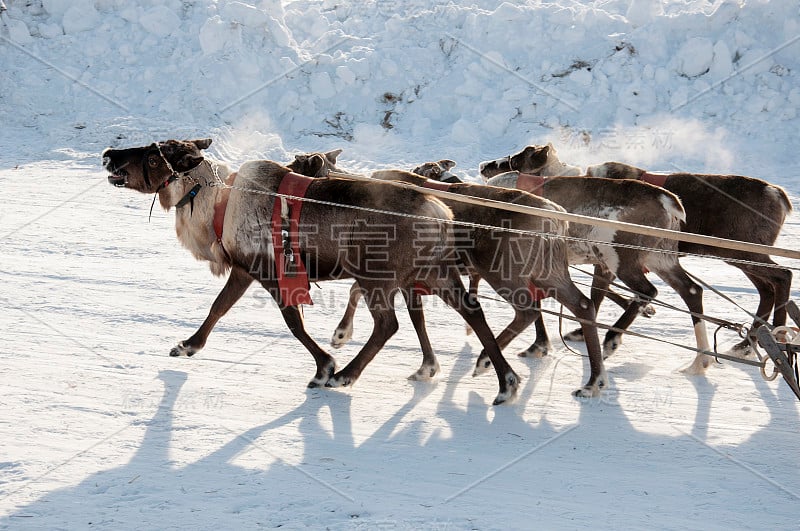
<point x="438" y="171"/>
<point x="146" y="168"/>
<point x="315" y="164"/>
<point x="529" y="160"/>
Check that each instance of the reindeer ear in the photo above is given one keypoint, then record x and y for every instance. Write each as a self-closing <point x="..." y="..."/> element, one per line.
<point x="201" y="143"/>
<point x="446" y="163"/>
<point x="188" y="162"/>
<point x="331" y="155"/>
<point x="549" y="147"/>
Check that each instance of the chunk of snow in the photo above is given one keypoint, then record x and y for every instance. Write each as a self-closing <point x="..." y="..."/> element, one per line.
<point x="160" y="21"/>
<point x="245" y="14"/>
<point x="695" y="57"/>
<point x="641" y="12"/>
<point x="345" y="74"/>
<point x="80" y="17"/>
<point x="57" y="8"/>
<point x="18" y="31"/>
<point x="582" y="77"/>
<point x="322" y="86"/>
<point x="217" y="35"/>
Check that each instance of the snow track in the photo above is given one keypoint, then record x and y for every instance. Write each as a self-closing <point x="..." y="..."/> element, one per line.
<point x="100" y="428"/>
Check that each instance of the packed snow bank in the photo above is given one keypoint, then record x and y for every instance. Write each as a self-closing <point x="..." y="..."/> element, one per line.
<point x="396" y="82"/>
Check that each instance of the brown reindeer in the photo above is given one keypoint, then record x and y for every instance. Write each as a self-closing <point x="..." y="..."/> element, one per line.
<point x="535" y="160"/>
<point x="733" y="207"/>
<point x="416" y="244"/>
<point x="629" y="201"/>
<point x="745" y="209"/>
<point x="509" y="261"/>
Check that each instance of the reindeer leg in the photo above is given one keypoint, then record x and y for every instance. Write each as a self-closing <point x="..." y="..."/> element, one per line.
<point x="457" y="297"/>
<point x="692" y="295"/>
<point x="601" y="280"/>
<point x="580" y="306"/>
<point x="326" y="365"/>
<point x="526" y="311"/>
<point x="523" y="317"/>
<point x="773" y="287"/>
<point x="474" y="281"/>
<point x="541" y="346"/>
<point x="430" y="365"/>
<point x="293" y="318"/>
<point x="385" y="325"/>
<point x="344" y="330"/>
<point x="234" y="288"/>
<point x="634" y="278"/>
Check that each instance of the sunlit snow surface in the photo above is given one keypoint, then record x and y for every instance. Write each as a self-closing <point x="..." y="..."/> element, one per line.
<point x="101" y="429"/>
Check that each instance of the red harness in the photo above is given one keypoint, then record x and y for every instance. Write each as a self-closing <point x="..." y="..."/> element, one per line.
<point x="292" y="275"/>
<point x="533" y="184"/>
<point x="437" y="185"/>
<point x="654" y="178"/>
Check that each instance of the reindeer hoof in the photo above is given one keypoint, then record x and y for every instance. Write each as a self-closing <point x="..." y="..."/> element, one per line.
<point x="741" y="349"/>
<point x="575" y="335"/>
<point x="512" y="384"/>
<point x="340" y="380"/>
<point x="323" y="376"/>
<point x="610" y="346"/>
<point x="536" y="351"/>
<point x="341" y="337"/>
<point x="648" y="311"/>
<point x="482" y="365"/>
<point x="425" y="373"/>
<point x="182" y="350"/>
<point x="698" y="366"/>
<point x="589" y="391"/>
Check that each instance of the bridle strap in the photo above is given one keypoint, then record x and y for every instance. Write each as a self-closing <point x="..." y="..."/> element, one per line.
<point x="174" y="176"/>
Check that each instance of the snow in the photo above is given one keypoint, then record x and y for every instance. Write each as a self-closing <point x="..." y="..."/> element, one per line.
<point x="102" y="429"/>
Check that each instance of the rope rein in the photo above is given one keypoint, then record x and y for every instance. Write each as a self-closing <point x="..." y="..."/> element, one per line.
<point x="469" y="224"/>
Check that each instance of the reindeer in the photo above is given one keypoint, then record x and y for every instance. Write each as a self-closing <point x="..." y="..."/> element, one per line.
<point x="416" y="245"/>
<point x="725" y="206"/>
<point x="733" y="207"/>
<point x="540" y="160"/>
<point x="510" y="262"/>
<point x="629" y="201"/>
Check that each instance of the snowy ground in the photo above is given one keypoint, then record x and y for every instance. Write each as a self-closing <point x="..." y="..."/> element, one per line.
<point x="102" y="429"/>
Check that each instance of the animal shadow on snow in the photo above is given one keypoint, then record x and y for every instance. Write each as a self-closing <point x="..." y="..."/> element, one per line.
<point x="442" y="478"/>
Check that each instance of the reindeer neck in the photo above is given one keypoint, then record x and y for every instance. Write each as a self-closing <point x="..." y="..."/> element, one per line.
<point x="194" y="219"/>
<point x="183" y="190"/>
<point x="552" y="168"/>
